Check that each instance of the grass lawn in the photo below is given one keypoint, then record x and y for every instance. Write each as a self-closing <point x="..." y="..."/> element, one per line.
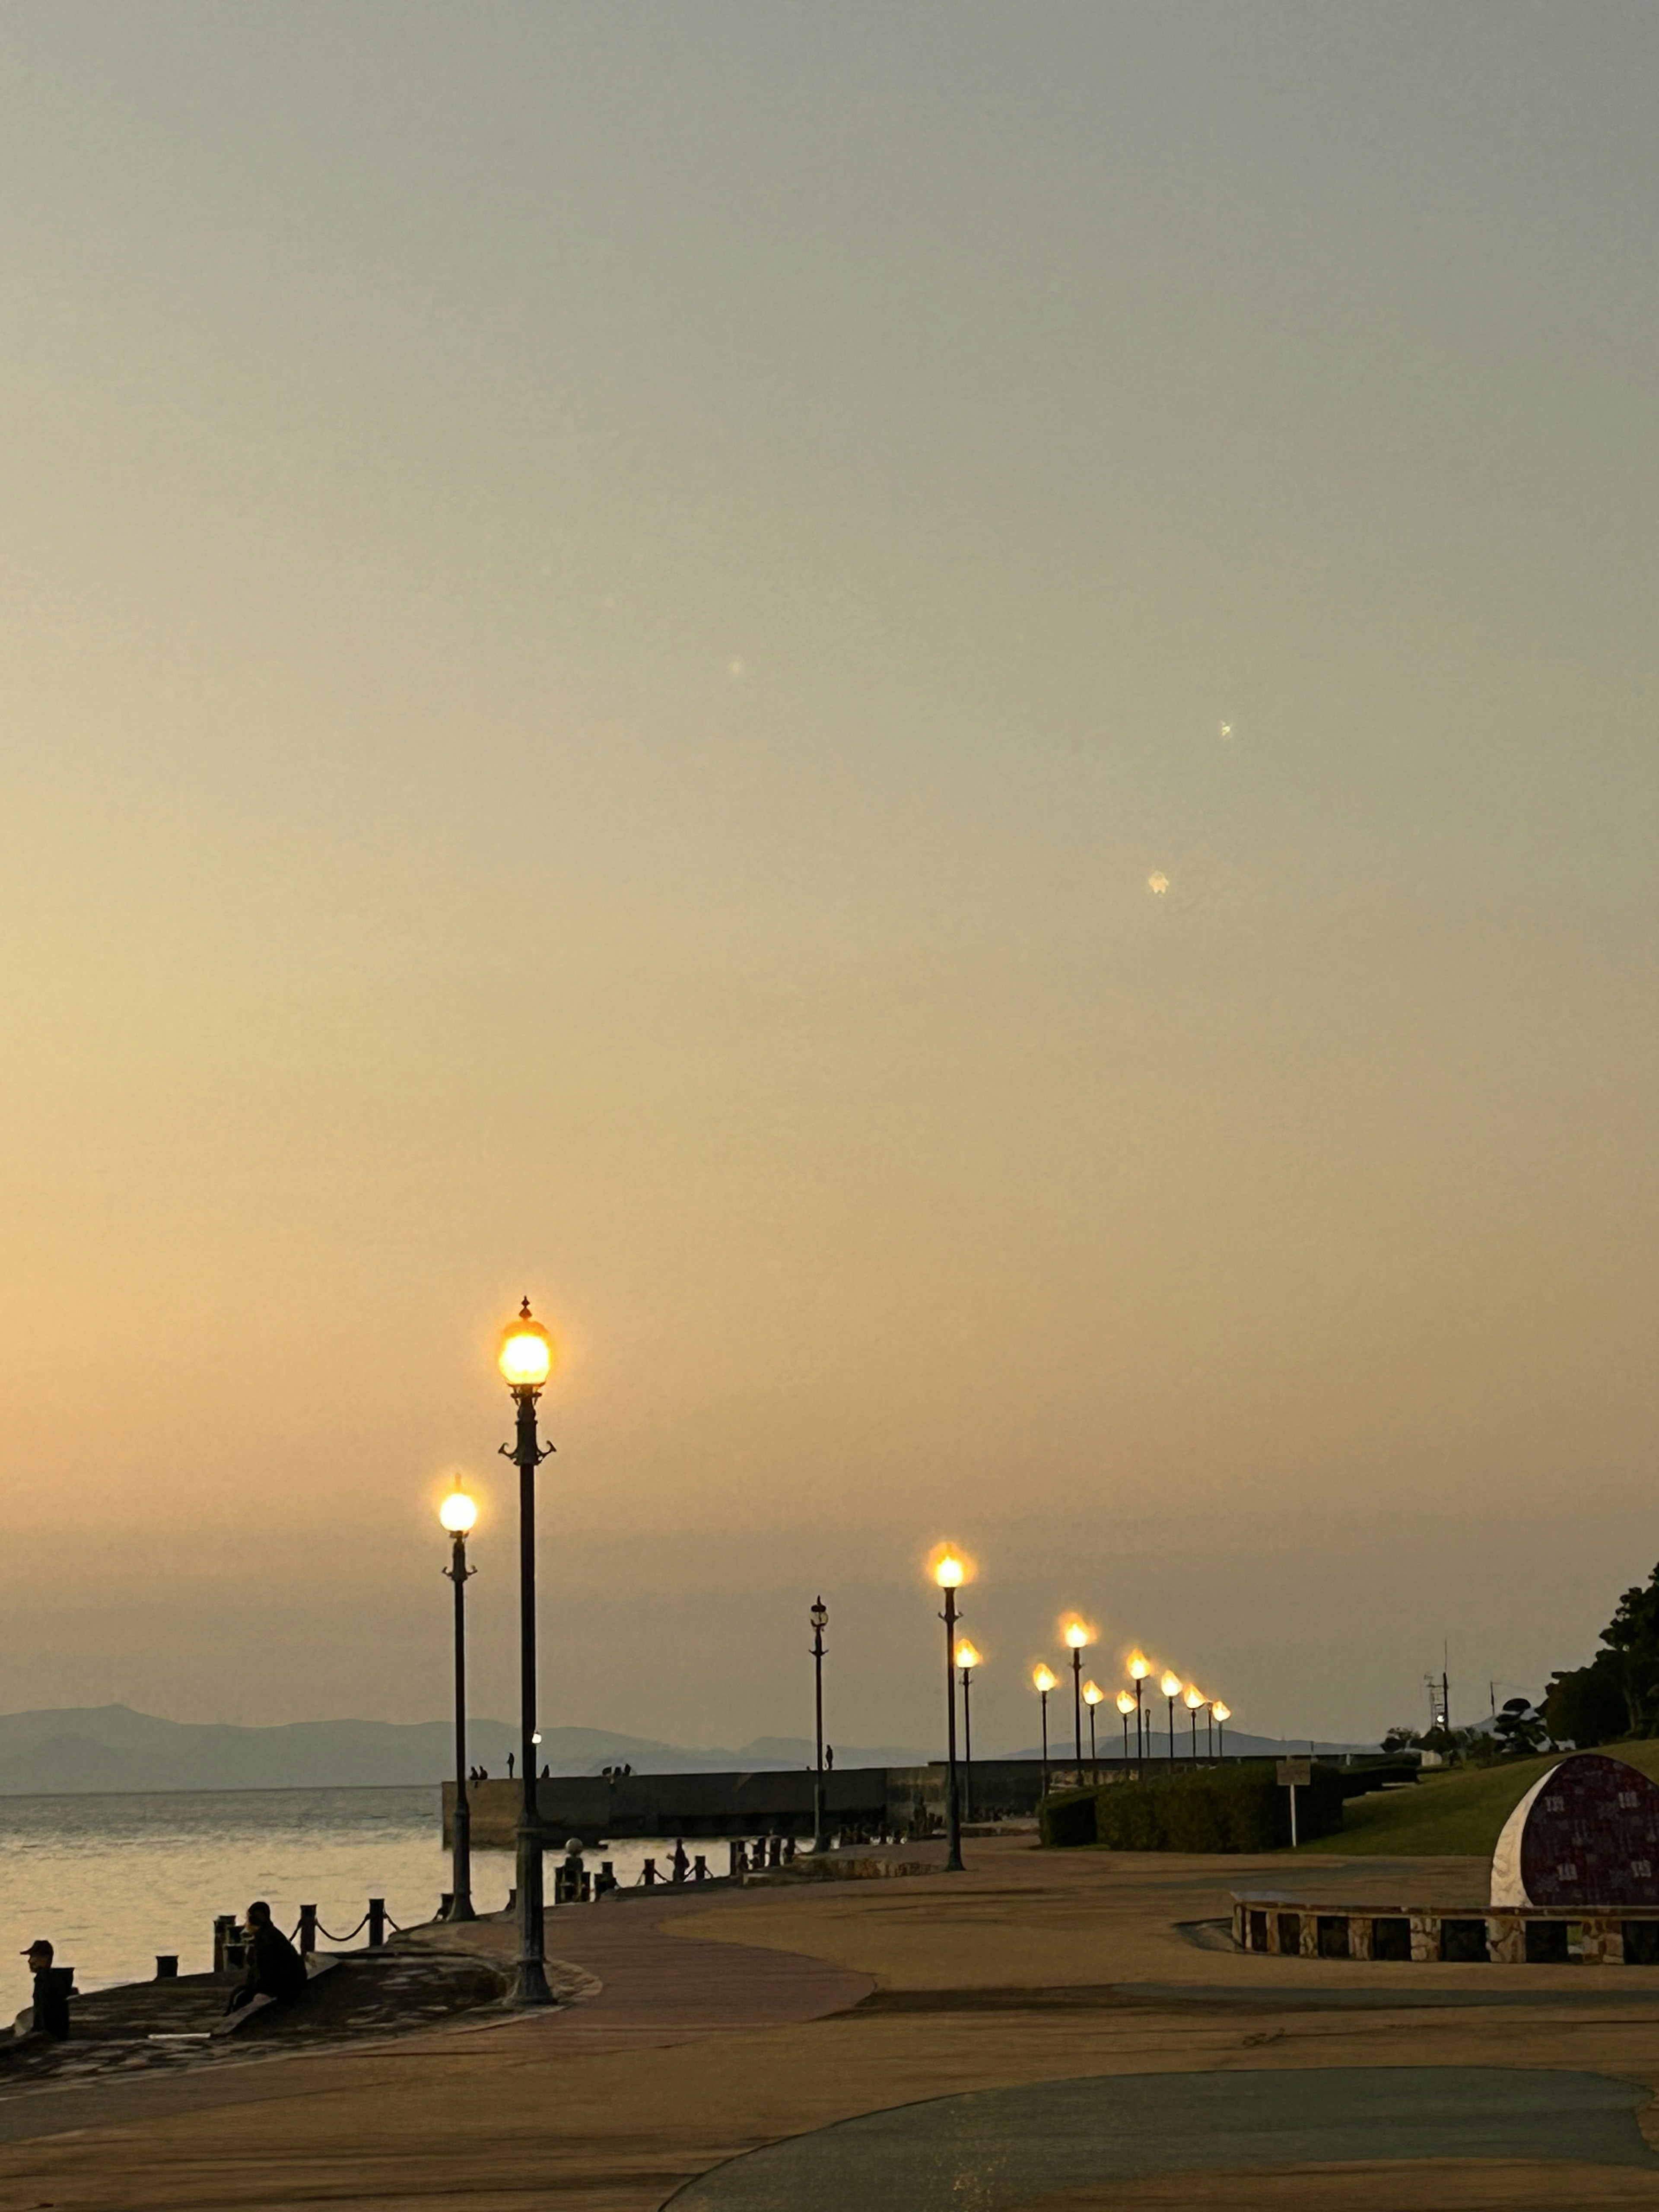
<point x="1461" y="1811"/>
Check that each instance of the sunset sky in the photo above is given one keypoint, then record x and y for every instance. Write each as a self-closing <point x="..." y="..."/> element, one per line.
<point x="943" y="715"/>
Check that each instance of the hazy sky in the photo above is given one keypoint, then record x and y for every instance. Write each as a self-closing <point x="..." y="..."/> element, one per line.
<point x="610" y="613"/>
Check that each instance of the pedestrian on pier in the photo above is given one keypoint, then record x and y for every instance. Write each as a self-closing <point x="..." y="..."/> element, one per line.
<point x="275" y="1968"/>
<point x="510" y="1765"/>
<point x="51" y="1997"/>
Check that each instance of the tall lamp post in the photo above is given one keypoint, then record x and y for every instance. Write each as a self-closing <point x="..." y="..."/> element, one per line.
<point x="1140" y="1668"/>
<point x="1077" y="1636"/>
<point x="1043" y="1681"/>
<point x="457" y="1515"/>
<point x="820" y="1619"/>
<point x="950" y="1574"/>
<point x="1093" y="1694"/>
<point x="1194" y="1702"/>
<point x="1170" y="1685"/>
<point x="967" y="1659"/>
<point x="1126" y="1705"/>
<point x="1223" y="1715"/>
<point x="525" y="1361"/>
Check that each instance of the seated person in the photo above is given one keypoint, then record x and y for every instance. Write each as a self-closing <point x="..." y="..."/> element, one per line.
<point x="50" y="1992"/>
<point x="275" y="1968"/>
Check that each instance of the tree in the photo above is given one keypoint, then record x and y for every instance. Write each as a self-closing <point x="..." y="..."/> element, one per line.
<point x="1586" y="1706"/>
<point x="1520" y="1731"/>
<point x="1633" y="1635"/>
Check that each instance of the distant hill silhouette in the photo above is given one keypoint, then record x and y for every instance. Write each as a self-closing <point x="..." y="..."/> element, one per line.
<point x="80" y="1748"/>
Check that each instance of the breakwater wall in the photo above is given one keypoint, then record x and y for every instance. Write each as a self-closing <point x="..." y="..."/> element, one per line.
<point x="862" y="1800"/>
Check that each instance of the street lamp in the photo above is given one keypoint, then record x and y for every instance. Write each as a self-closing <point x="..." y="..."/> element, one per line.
<point x="1042" y="1682"/>
<point x="950" y="1573"/>
<point x="967" y="1659"/>
<point x="820" y="1619"/>
<point x="525" y="1360"/>
<point x="1140" y="1668"/>
<point x="1093" y="1694"/>
<point x="457" y="1515"/>
<point x="1195" y="1700"/>
<point x="1170" y="1685"/>
<point x="1223" y="1715"/>
<point x="1076" y="1636"/>
<point x="1126" y="1705"/>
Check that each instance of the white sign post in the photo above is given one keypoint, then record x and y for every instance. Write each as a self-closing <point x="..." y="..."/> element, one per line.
<point x="1294" y="1774"/>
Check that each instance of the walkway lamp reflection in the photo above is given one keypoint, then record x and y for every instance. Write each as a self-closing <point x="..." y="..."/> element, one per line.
<point x="525" y="1360"/>
<point x="1194" y="1701"/>
<point x="456" y="1516"/>
<point x="967" y="1659"/>
<point x="1126" y="1705"/>
<point x="1140" y="1668"/>
<point x="1223" y="1715"/>
<point x="1043" y="1680"/>
<point x="950" y="1573"/>
<point x="1093" y="1694"/>
<point x="1170" y="1685"/>
<point x="1076" y="1637"/>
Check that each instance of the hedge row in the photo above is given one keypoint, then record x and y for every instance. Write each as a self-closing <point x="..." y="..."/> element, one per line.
<point x="1217" y="1809"/>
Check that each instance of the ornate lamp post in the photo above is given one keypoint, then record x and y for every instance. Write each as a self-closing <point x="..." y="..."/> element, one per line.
<point x="525" y="1361"/>
<point x="1043" y="1680"/>
<point x="1140" y="1668"/>
<point x="1077" y="1636"/>
<point x="1194" y="1702"/>
<point x="1093" y="1694"/>
<point x="820" y="1619"/>
<point x="1223" y="1715"/>
<point x="1126" y="1705"/>
<point x="1170" y="1685"/>
<point x="967" y="1659"/>
<point x="950" y="1574"/>
<point x="457" y="1515"/>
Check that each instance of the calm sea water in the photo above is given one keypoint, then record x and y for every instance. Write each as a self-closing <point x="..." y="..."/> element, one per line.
<point x="112" y="1881"/>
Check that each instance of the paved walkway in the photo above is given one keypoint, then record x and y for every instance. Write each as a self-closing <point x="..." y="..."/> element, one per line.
<point x="732" y="2037"/>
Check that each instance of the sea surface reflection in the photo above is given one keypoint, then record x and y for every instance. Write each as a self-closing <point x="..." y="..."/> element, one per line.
<point x="114" y="1879"/>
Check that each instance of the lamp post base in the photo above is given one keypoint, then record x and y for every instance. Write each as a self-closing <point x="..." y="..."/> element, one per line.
<point x="529" y="1983"/>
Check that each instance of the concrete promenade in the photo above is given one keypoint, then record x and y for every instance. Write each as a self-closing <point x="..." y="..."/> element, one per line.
<point x="1039" y="2035"/>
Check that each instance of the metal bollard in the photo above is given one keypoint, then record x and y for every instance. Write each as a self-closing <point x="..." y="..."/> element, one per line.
<point x="376" y="1923"/>
<point x="700" y="1869"/>
<point x="648" y="1873"/>
<point x="224" y="1930"/>
<point x="775" y="1850"/>
<point x="445" y="1903"/>
<point x="307" y="1930"/>
<point x="166" y="1966"/>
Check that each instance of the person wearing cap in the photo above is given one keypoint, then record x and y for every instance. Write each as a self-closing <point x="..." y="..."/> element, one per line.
<point x="275" y="1968"/>
<point x="51" y="1997"/>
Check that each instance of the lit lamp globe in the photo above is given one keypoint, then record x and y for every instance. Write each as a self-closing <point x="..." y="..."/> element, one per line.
<point x="1076" y="1636"/>
<point x="1170" y="1685"/>
<point x="1194" y="1697"/>
<point x="950" y="1573"/>
<point x="1139" y="1666"/>
<point x="1222" y="1712"/>
<point x="458" y="1512"/>
<point x="967" y="1655"/>
<point x="1125" y="1703"/>
<point x="526" y="1355"/>
<point x="1093" y="1694"/>
<point x="1042" y="1680"/>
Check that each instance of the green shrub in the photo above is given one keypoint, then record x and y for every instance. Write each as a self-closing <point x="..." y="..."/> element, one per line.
<point x="1241" y="1808"/>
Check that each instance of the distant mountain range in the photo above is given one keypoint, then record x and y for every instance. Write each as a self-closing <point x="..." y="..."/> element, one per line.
<point x="78" y="1749"/>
